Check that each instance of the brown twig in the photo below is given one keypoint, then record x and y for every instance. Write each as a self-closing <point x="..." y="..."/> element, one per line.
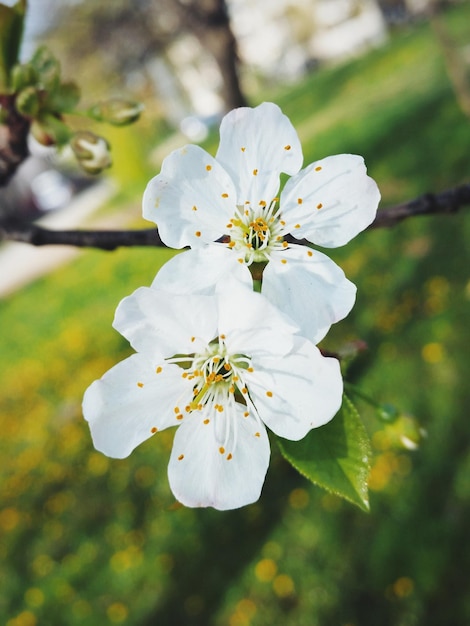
<point x="445" y="202"/>
<point x="14" y="130"/>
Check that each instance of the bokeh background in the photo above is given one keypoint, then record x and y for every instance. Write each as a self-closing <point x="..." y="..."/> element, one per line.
<point x="90" y="540"/>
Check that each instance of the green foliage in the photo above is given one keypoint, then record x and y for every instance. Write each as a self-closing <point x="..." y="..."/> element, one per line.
<point x="45" y="100"/>
<point x="89" y="540"/>
<point x="11" y="33"/>
<point x="335" y="456"/>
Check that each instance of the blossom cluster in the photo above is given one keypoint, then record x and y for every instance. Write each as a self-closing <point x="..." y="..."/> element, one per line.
<point x="226" y="336"/>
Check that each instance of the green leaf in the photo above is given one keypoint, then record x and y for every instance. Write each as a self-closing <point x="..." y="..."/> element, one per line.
<point x="335" y="456"/>
<point x="11" y="34"/>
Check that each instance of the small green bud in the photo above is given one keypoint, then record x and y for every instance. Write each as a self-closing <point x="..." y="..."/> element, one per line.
<point x="50" y="130"/>
<point x="92" y="151"/>
<point x="116" y="111"/>
<point x="42" y="134"/>
<point x="28" y="102"/>
<point x="23" y="76"/>
<point x="47" y="68"/>
<point x="387" y="413"/>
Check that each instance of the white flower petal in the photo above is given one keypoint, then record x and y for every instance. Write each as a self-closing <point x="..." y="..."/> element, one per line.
<point x="256" y="145"/>
<point x="191" y="200"/>
<point x="200" y="270"/>
<point x="330" y="201"/>
<point x="131" y="402"/>
<point x="301" y="391"/>
<point x="158" y="323"/>
<point x="310" y="288"/>
<point x="201" y="475"/>
<point x="250" y="323"/>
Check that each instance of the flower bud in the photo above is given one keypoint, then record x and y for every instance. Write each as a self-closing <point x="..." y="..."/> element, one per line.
<point x="387" y="413"/>
<point x="117" y="111"/>
<point x="92" y="151"/>
<point x="27" y="102"/>
<point x="42" y="134"/>
<point x="22" y="76"/>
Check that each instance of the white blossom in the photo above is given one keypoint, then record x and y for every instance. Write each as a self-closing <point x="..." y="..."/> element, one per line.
<point x="221" y="367"/>
<point x="229" y="211"/>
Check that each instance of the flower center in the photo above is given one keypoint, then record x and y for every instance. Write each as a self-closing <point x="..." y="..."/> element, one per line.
<point x="217" y="376"/>
<point x="256" y="231"/>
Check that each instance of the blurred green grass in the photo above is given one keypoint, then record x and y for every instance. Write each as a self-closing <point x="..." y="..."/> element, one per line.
<point x="89" y="540"/>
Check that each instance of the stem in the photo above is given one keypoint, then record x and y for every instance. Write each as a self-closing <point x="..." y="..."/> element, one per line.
<point x="445" y="202"/>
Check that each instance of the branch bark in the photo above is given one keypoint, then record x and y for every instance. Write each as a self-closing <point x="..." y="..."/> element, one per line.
<point x="14" y="130"/>
<point x="445" y="202"/>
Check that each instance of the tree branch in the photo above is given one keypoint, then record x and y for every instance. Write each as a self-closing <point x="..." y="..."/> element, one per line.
<point x="14" y="130"/>
<point x="446" y="202"/>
